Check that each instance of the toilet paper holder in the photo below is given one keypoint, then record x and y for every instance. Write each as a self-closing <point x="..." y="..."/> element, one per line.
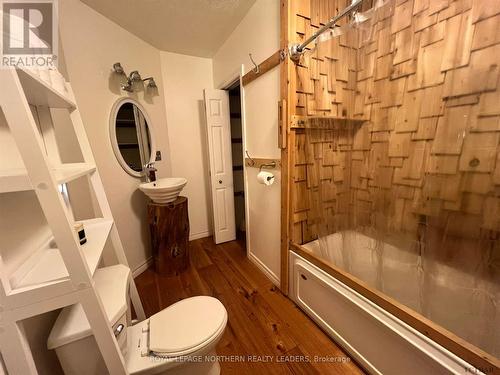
<point x="270" y="165"/>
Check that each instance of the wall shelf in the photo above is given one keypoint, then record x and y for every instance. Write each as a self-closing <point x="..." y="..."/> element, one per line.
<point x="128" y="145"/>
<point x="47" y="265"/>
<point x="12" y="180"/>
<point x="125" y="123"/>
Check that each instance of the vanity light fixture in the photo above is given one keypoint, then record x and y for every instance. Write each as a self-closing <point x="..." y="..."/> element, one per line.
<point x="127" y="86"/>
<point x="133" y="77"/>
<point x="118" y="68"/>
<point x="151" y="83"/>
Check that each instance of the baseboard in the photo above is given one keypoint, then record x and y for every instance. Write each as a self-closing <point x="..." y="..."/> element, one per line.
<point x="142" y="267"/>
<point x="196" y="236"/>
<point x="270" y="274"/>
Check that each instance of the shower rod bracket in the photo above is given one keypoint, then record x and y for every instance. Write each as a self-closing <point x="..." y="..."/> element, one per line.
<point x="297" y="49"/>
<point x="295" y="52"/>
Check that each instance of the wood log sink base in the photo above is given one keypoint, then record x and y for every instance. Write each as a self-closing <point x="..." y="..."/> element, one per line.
<point x="169" y="228"/>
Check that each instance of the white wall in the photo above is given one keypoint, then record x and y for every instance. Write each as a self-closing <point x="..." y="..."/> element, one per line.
<point x="259" y="34"/>
<point x="184" y="78"/>
<point x="91" y="44"/>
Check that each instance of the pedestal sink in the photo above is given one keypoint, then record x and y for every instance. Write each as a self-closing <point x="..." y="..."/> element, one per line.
<point x="163" y="190"/>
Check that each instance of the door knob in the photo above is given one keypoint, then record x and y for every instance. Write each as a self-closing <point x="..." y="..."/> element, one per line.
<point x="220" y="181"/>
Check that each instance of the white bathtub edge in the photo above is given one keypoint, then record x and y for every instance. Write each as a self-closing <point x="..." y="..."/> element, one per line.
<point x="445" y="358"/>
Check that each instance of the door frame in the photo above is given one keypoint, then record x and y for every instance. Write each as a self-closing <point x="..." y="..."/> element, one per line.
<point x="226" y="85"/>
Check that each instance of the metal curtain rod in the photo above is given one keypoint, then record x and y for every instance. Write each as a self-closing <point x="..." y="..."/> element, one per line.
<point x="297" y="49"/>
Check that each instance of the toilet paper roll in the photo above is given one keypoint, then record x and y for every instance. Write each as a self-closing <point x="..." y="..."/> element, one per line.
<point x="265" y="178"/>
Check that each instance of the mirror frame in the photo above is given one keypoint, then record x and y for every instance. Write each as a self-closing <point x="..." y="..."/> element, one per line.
<point x="114" y="141"/>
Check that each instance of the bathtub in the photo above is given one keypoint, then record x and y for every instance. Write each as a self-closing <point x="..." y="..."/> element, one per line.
<point x="376" y="339"/>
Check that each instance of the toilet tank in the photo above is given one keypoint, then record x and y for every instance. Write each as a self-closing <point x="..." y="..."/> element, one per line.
<point x="72" y="337"/>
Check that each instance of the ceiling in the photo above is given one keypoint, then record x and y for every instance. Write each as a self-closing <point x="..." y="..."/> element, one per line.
<point x="192" y="27"/>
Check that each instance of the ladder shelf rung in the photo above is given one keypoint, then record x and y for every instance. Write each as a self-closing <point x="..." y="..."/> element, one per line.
<point x="41" y="93"/>
<point x="47" y="265"/>
<point x="36" y="293"/>
<point x="72" y="171"/>
<point x="12" y="180"/>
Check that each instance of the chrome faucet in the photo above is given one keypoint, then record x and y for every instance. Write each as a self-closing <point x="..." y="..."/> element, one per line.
<point x="150" y="171"/>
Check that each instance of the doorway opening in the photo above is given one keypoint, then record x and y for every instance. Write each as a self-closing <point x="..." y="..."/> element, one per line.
<point x="225" y="146"/>
<point x="237" y="159"/>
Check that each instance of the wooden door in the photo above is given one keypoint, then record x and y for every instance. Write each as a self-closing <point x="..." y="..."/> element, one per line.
<point x="221" y="171"/>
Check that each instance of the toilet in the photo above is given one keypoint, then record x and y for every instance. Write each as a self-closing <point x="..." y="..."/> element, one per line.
<point x="179" y="340"/>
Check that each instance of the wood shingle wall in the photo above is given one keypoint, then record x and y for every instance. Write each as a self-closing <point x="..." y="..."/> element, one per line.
<point x="413" y="118"/>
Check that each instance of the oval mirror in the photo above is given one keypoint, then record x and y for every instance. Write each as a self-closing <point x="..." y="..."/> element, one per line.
<point x="131" y="136"/>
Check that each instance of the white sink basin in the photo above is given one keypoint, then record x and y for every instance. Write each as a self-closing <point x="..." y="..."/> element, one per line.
<point x="164" y="190"/>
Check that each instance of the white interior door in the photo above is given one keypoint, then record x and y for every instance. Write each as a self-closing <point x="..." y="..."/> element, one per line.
<point x="221" y="165"/>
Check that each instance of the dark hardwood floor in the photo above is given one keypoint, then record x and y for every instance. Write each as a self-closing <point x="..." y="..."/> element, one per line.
<point x="262" y="321"/>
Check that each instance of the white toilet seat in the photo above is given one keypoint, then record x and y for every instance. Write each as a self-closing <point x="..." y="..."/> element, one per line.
<point x="186" y="326"/>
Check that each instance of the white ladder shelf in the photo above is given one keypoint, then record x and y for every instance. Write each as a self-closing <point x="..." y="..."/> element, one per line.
<point x="57" y="271"/>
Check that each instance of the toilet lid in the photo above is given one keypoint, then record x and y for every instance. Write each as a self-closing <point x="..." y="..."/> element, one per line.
<point x="186" y="325"/>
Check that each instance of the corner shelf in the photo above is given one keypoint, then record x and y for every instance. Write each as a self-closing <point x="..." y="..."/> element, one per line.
<point x="12" y="180"/>
<point x="300" y="122"/>
<point x="41" y="93"/>
<point x="46" y="264"/>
